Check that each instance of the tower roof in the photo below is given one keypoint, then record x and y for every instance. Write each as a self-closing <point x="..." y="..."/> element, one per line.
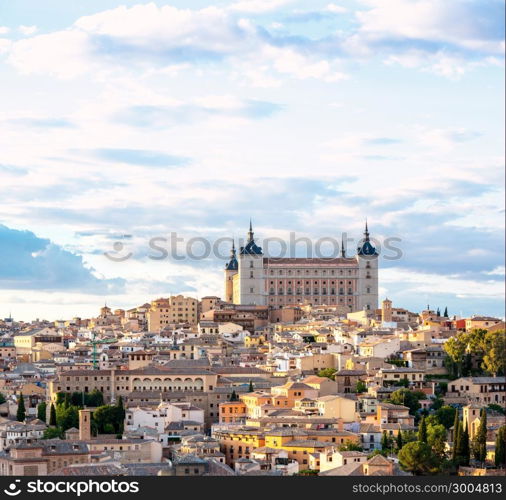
<point x="251" y="247"/>
<point x="367" y="249"/>
<point x="232" y="264"/>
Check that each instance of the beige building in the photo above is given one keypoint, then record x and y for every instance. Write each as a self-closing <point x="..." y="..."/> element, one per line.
<point x="483" y="390"/>
<point x="115" y="383"/>
<point x="172" y="310"/>
<point x="337" y="407"/>
<point x="24" y="342"/>
<point x="483" y="322"/>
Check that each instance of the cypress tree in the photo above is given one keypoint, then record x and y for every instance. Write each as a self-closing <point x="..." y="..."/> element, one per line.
<point x="480" y="449"/>
<point x="21" y="413"/>
<point x="251" y="388"/>
<point x="500" y="447"/>
<point x="422" y="430"/>
<point x="465" y="446"/>
<point x="399" y="440"/>
<point x="385" y="444"/>
<point x="455" y="435"/>
<point x="41" y="411"/>
<point x="446" y="312"/>
<point x="52" y="415"/>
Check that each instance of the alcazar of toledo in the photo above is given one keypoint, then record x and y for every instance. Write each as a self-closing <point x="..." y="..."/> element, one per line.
<point x="349" y="282"/>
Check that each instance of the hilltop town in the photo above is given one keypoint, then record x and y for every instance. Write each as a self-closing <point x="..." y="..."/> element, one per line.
<point x="181" y="386"/>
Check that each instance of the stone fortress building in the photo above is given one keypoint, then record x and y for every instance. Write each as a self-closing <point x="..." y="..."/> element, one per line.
<point x="350" y="282"/>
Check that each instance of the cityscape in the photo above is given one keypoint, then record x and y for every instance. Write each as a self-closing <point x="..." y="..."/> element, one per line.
<point x="297" y="369"/>
<point x="252" y="238"/>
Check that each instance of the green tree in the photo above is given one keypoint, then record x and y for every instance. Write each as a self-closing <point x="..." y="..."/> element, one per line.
<point x="109" y="419"/>
<point x="386" y="442"/>
<point x="418" y="458"/>
<point x="436" y="404"/>
<point x="52" y="433"/>
<point x="41" y="411"/>
<point x="350" y="446"/>
<point x="67" y="416"/>
<point x="361" y="387"/>
<point x="407" y="398"/>
<point x="95" y="398"/>
<point x="500" y="447"/>
<point x="455" y="348"/>
<point x="497" y="408"/>
<point x="377" y="452"/>
<point x="60" y="398"/>
<point x="233" y="396"/>
<point x="119" y="416"/>
<point x="462" y="451"/>
<point x="399" y="440"/>
<point x="422" y="431"/>
<point x="2" y="398"/>
<point x="21" y="412"/>
<point x="456" y="437"/>
<point x="480" y="440"/>
<point x="251" y="388"/>
<point x="494" y="360"/>
<point x="52" y="415"/>
<point x="436" y="439"/>
<point x="409" y="436"/>
<point x="327" y="373"/>
<point x="446" y="415"/>
<point x="445" y="314"/>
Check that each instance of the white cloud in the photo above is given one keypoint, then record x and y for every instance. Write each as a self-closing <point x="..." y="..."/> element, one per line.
<point x="27" y="30"/>
<point x="456" y="22"/>
<point x="4" y="30"/>
<point x="336" y="9"/>
<point x="258" y="6"/>
<point x="414" y="283"/>
<point x="63" y="53"/>
<point x="498" y="271"/>
<point x="165" y="39"/>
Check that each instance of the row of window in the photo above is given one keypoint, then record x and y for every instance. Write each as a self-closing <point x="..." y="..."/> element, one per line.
<point x="307" y="291"/>
<point x="332" y="272"/>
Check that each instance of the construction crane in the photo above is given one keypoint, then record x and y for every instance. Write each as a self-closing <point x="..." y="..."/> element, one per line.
<point x="94" y="342"/>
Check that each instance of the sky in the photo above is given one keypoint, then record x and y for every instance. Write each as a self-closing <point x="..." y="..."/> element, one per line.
<point x="123" y="121"/>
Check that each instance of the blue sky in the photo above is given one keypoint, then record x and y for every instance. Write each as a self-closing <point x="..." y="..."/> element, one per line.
<point x="123" y="121"/>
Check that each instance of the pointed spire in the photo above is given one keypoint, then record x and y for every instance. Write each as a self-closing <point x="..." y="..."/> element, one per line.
<point x="343" y="251"/>
<point x="250" y="232"/>
<point x="366" y="232"/>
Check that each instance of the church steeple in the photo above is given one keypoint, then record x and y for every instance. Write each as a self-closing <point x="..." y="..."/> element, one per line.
<point x="366" y="232"/>
<point x="343" y="251"/>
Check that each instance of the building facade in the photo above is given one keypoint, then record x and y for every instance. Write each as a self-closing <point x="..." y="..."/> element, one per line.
<point x="173" y="310"/>
<point x="350" y="282"/>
